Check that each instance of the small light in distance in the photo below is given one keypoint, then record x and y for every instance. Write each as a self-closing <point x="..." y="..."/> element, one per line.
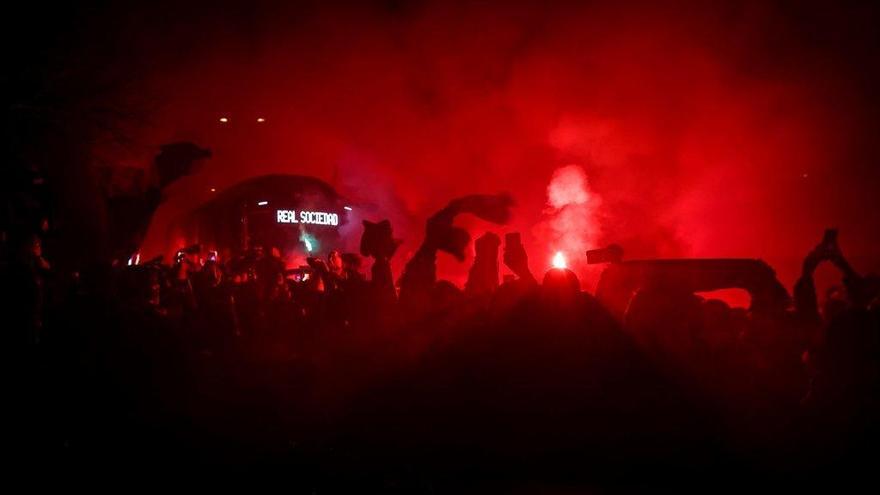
<point x="346" y="208"/>
<point x="260" y="119"/>
<point x="224" y="120"/>
<point x="262" y="203"/>
<point x="213" y="189"/>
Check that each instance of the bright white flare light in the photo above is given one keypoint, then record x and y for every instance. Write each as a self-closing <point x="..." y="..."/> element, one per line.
<point x="308" y="244"/>
<point x="347" y="208"/>
<point x="559" y="261"/>
<point x="262" y="203"/>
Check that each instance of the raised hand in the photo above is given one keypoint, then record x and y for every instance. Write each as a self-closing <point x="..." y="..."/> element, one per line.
<point x="516" y="258"/>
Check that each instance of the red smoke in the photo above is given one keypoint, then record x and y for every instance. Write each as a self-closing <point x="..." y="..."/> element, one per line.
<point x="705" y="131"/>
<point x="572" y="225"/>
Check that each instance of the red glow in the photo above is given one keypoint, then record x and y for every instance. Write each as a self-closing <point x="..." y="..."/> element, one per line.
<point x="559" y="261"/>
<point x="570" y="218"/>
<point x="683" y="149"/>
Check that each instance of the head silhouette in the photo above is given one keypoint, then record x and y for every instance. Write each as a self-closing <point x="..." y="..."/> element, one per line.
<point x="560" y="285"/>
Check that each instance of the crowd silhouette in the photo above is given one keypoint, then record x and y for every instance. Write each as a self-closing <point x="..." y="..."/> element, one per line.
<point x="236" y="359"/>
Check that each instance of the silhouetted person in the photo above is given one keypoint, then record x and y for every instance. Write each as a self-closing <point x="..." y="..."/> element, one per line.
<point x="517" y="260"/>
<point x="379" y="243"/>
<point x="560" y="286"/>
<point x="483" y="276"/>
<point x="512" y="291"/>
<point x="268" y="267"/>
<point x="420" y="275"/>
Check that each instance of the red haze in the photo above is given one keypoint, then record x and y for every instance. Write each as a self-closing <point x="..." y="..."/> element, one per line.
<point x="702" y="131"/>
